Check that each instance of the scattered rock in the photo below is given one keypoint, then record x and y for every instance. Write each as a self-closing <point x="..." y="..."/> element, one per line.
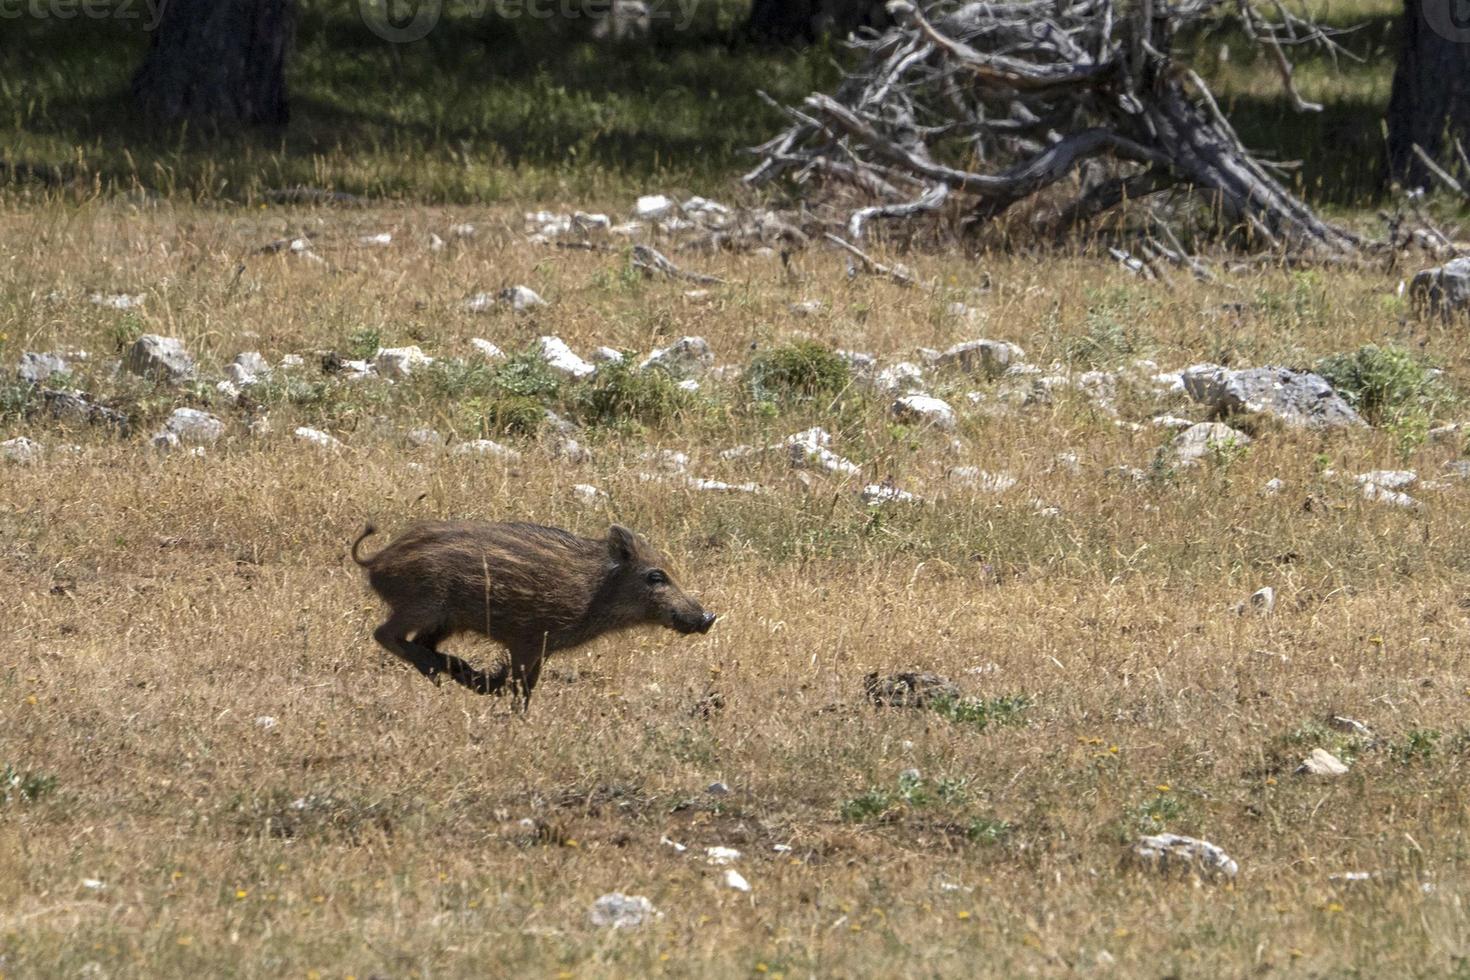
<point x="1388" y="479"/>
<point x="1173" y="422"/>
<point x="559" y="358"/>
<point x="1126" y="474"/>
<point x="721" y="855"/>
<point x="1322" y="763"/>
<point x="118" y="301"/>
<point x="1262" y="602"/>
<point x="193" y="427"/>
<point x="424" y="439"/>
<point x="520" y="298"/>
<point x="987" y="358"/>
<point x="1393" y="498"/>
<point x="1447" y="433"/>
<point x="292" y="362"/>
<point x="1273" y="486"/>
<point x="924" y="409"/>
<point x="462" y="230"/>
<point x="651" y="207"/>
<point x="479" y="303"/>
<point x="809" y="448"/>
<point x="1199" y="440"/>
<point x="807" y="307"/>
<point x="909" y="689"/>
<point x="67" y="406"/>
<point x="20" y="450"/>
<point x="607" y="355"/>
<point x="1350" y="726"/>
<point x="668" y="460"/>
<point x="562" y="446"/>
<point x="686" y="357"/>
<point x="705" y="208"/>
<point x="486" y="447"/>
<point x="379" y="240"/>
<point x="265" y="721"/>
<point x="160" y="358"/>
<point x="1443" y="290"/>
<point x="35" y="368"/>
<point x="588" y="495"/>
<point x="1172" y="852"/>
<point x="983" y="480"/>
<point x="400" y="362"/>
<point x="734" y="879"/>
<point x="316" y="437"/>
<point x="618" y="911"/>
<point x="875" y="494"/>
<point x="717" y="788"/>
<point x="248" y="368"/>
<point x="485" y="349"/>
<point x="1298" y="398"/>
<point x="717" y="486"/>
<point x="902" y="377"/>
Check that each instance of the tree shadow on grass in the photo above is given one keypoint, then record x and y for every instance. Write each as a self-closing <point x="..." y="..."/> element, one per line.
<point x="510" y="94"/>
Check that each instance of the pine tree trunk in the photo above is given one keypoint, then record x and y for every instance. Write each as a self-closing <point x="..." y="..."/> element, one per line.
<point x="219" y="62"/>
<point x="806" y="20"/>
<point x="1430" y="104"/>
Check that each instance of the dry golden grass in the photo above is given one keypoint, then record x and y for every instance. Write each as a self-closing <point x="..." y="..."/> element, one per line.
<point x="158" y="606"/>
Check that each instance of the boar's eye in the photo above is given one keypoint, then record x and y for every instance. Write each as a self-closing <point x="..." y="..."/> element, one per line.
<point x="656" y="577"/>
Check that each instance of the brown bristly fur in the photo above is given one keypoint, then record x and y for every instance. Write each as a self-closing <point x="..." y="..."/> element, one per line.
<point x="534" y="589"/>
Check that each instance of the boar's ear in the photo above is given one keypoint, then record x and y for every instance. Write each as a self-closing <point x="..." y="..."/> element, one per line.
<point x="622" y="544"/>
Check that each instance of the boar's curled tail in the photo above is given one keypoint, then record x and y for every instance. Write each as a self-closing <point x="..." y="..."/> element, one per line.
<point x="367" y="531"/>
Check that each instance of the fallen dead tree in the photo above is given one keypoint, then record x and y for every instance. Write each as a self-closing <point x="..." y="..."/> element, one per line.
<point x="982" y="106"/>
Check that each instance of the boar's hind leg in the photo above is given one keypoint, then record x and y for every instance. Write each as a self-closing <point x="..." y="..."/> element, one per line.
<point x="420" y="652"/>
<point x="393" y="637"/>
<point x="458" y="670"/>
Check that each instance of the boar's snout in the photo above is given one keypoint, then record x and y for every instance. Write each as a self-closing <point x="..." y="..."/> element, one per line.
<point x="698" y="621"/>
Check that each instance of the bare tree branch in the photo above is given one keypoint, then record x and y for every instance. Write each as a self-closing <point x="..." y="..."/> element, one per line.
<point x="981" y="106"/>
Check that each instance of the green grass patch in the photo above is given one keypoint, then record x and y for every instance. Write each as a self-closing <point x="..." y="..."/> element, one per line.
<point x="24" y="786"/>
<point x="619" y="395"/>
<point x="797" y="371"/>
<point x="981" y="713"/>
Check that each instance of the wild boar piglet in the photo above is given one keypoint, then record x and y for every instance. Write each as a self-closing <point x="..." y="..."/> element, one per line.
<point x="533" y="589"/>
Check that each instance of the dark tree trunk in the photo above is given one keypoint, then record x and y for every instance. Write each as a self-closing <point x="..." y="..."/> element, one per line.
<point x="807" y="20"/>
<point x="1430" y="104"/>
<point x="218" y="61"/>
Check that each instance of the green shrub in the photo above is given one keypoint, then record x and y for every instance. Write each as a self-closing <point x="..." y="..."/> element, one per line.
<point x="1107" y="341"/>
<point x="526" y="374"/>
<point x="1386" y="384"/>
<point x="981" y="713"/>
<point x="17" y="786"/>
<point x="503" y="413"/>
<point x="364" y="344"/>
<point x="804" y="369"/>
<point x="619" y="394"/>
<point x="454" y="379"/>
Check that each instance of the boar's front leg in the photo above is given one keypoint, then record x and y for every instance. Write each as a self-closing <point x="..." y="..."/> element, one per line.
<point x="525" y="671"/>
